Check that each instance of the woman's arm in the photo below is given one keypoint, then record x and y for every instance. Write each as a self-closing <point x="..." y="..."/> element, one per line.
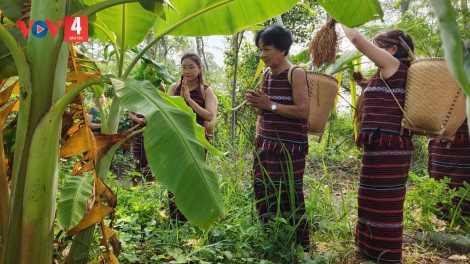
<point x="138" y="120"/>
<point x="90" y="122"/>
<point x="301" y="107"/>
<point x="382" y="58"/>
<point x="172" y="90"/>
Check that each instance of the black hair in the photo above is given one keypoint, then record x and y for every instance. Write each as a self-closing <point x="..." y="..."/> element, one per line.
<point x="391" y="38"/>
<point x="278" y="36"/>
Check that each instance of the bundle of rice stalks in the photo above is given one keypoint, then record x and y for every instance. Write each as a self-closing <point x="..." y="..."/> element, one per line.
<point x="324" y="44"/>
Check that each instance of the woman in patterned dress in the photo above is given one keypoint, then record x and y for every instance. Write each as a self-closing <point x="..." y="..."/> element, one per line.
<point x="454" y="163"/>
<point x="198" y="95"/>
<point x="386" y="154"/>
<point x="281" y="134"/>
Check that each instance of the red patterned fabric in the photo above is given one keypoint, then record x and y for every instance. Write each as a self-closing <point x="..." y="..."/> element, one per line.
<point x="453" y="163"/>
<point x="279" y="164"/>
<point x="381" y="194"/>
<point x="381" y="115"/>
<point x="138" y="149"/>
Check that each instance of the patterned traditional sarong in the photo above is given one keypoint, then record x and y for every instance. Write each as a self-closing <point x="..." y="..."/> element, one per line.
<point x="453" y="163"/>
<point x="281" y="147"/>
<point x="379" y="230"/>
<point x="384" y="168"/>
<point x="275" y="180"/>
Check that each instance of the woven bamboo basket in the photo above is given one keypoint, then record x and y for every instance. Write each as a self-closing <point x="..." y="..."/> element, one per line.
<point x="434" y="102"/>
<point x="323" y="89"/>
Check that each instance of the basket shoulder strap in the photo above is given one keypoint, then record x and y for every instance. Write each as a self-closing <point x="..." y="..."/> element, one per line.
<point x="399" y="105"/>
<point x="289" y="73"/>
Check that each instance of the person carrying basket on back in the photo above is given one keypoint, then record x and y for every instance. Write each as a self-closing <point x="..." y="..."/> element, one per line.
<point x="386" y="154"/>
<point x="281" y="134"/>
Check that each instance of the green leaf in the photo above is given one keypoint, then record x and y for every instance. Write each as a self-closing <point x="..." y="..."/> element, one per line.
<point x="12" y="8"/>
<point x="353" y="13"/>
<point x="72" y="202"/>
<point x="133" y="18"/>
<point x="7" y="64"/>
<point x="176" y="158"/>
<point x="344" y="62"/>
<point x="222" y="20"/>
<point x="454" y="48"/>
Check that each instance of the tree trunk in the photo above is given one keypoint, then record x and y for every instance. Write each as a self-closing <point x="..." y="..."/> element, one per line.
<point x="404" y="5"/>
<point x="234" y="88"/>
<point x="204" y="54"/>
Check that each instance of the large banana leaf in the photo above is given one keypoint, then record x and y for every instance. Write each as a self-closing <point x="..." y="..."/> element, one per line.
<point x="223" y="20"/>
<point x="72" y="202"/>
<point x="129" y="22"/>
<point x="12" y="8"/>
<point x="353" y="13"/>
<point x="454" y="48"/>
<point x="176" y="158"/>
<point x="455" y="53"/>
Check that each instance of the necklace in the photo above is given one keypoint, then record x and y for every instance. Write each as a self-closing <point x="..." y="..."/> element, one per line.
<point x="271" y="78"/>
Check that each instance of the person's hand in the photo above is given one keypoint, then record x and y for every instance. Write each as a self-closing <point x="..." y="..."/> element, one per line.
<point x="360" y="80"/>
<point x="142" y="121"/>
<point x="185" y="91"/>
<point x="258" y="99"/>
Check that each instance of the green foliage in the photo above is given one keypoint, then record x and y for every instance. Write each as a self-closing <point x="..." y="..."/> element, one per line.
<point x="353" y="13"/>
<point x="198" y="198"/>
<point x="72" y="202"/>
<point x="422" y="200"/>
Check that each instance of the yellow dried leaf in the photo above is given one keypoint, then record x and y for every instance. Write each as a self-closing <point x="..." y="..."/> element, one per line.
<point x="107" y="234"/>
<point x="16" y="88"/>
<point x="81" y="167"/>
<point x="16" y="107"/>
<point x="81" y="76"/>
<point x="97" y="213"/>
<point x="112" y="258"/>
<point x="105" y="193"/>
<point x="6" y="94"/>
<point x="76" y="143"/>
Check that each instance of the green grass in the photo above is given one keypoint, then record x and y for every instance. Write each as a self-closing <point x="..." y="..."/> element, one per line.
<point x="147" y="235"/>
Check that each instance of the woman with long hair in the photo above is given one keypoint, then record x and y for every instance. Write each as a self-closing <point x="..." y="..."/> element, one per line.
<point x="198" y="95"/>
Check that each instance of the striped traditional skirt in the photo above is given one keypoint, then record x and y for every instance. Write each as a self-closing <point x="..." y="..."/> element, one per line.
<point x="138" y="151"/>
<point x="453" y="163"/>
<point x="277" y="179"/>
<point x="381" y="194"/>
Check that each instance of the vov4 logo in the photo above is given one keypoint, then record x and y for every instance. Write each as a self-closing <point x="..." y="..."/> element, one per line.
<point x="75" y="28"/>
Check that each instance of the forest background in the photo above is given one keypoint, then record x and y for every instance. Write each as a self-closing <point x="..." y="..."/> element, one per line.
<point x="143" y="231"/>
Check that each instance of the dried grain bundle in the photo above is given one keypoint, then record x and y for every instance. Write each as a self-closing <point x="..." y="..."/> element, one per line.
<point x="324" y="44"/>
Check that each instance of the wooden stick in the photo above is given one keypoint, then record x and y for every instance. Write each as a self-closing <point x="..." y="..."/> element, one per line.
<point x="407" y="49"/>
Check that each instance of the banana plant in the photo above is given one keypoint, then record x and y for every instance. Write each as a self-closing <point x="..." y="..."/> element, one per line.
<point x="455" y="53"/>
<point x="41" y="66"/>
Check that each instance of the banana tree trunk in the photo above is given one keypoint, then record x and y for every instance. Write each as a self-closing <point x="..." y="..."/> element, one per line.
<point x="35" y="169"/>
